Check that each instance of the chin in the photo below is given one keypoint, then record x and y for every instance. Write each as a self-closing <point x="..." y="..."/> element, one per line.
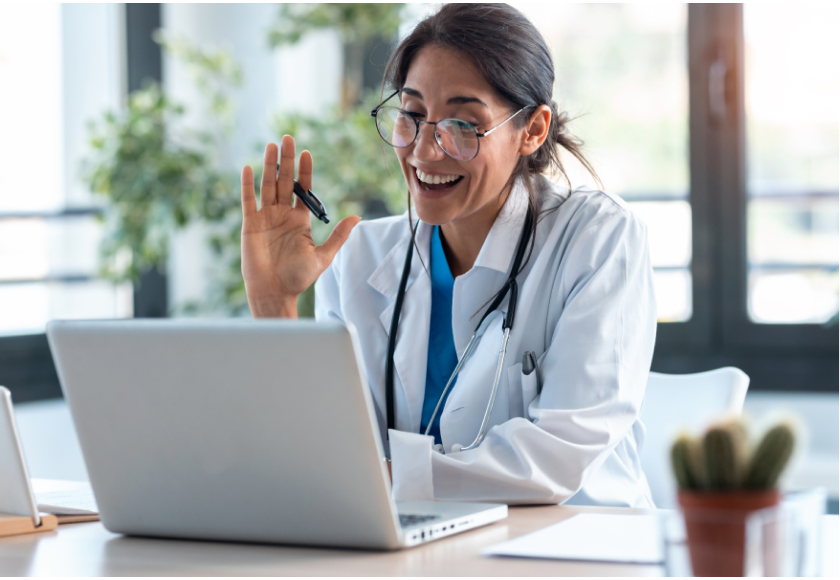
<point x="437" y="207"/>
<point x="431" y="212"/>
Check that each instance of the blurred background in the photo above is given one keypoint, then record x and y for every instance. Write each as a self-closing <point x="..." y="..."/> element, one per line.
<point x="123" y="128"/>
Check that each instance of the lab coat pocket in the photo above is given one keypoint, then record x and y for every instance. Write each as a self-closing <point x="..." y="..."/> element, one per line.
<point x="515" y="390"/>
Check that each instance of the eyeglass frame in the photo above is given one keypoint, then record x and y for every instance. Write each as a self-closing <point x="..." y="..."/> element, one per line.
<point x="417" y="123"/>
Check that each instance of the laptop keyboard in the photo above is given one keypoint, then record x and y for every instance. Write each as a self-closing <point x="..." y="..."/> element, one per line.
<point x="411" y="519"/>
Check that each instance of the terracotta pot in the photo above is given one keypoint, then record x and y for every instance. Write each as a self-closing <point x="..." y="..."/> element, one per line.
<point x="715" y="524"/>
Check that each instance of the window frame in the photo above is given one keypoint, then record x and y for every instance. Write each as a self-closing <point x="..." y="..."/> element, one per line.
<point x="144" y="62"/>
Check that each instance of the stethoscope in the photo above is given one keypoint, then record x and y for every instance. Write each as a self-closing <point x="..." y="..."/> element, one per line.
<point x="483" y="324"/>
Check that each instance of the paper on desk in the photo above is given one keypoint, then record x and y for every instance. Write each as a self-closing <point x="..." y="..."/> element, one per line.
<point x="634" y="539"/>
<point x="75" y="502"/>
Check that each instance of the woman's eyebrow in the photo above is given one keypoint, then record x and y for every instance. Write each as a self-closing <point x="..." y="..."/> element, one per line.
<point x="453" y="101"/>
<point x="412" y="93"/>
<point x="465" y="100"/>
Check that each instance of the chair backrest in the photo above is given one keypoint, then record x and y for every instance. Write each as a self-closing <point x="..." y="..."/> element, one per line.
<point x="683" y="402"/>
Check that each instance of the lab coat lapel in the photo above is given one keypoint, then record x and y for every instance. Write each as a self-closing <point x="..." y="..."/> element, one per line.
<point x="410" y="356"/>
<point x="476" y="289"/>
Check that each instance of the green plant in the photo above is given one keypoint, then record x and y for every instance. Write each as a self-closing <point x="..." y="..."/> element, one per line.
<point x="355" y="22"/>
<point x="214" y="73"/>
<point x="720" y="460"/>
<point x="353" y="171"/>
<point x="684" y="455"/>
<point x="770" y="458"/>
<point x="154" y="182"/>
<point x="723" y="450"/>
<point x="157" y="175"/>
<point x="360" y="26"/>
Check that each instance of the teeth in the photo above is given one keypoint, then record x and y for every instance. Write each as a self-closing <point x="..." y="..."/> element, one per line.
<point x="435" y="179"/>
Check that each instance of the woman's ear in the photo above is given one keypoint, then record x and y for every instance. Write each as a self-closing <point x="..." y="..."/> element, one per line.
<point x="536" y="131"/>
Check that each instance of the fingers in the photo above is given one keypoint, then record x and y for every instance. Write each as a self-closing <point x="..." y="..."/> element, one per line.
<point x="286" y="177"/>
<point x="268" y="186"/>
<point x="304" y="177"/>
<point x="339" y="235"/>
<point x="249" y="200"/>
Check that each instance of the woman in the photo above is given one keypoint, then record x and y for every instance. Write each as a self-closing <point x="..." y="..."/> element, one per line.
<point x="474" y="128"/>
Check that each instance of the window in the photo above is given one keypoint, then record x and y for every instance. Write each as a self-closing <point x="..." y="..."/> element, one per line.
<point x="64" y="63"/>
<point x="61" y="59"/>
<point x="622" y="76"/>
<point x="718" y="125"/>
<point x="792" y="106"/>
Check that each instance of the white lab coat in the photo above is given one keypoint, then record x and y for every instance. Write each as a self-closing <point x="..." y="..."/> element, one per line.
<point x="586" y="308"/>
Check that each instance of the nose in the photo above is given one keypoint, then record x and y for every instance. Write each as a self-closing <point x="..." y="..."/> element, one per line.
<point x="425" y="146"/>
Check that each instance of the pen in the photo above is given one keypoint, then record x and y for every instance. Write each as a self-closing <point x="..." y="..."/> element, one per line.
<point x="311" y="200"/>
<point x="529" y="365"/>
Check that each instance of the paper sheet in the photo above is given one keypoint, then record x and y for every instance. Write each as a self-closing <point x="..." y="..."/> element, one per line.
<point x="623" y="538"/>
<point x="76" y="502"/>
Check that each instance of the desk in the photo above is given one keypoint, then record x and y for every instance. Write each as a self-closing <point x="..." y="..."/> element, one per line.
<point x="90" y="550"/>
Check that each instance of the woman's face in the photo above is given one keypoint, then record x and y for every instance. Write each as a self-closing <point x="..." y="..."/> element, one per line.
<point x="442" y="84"/>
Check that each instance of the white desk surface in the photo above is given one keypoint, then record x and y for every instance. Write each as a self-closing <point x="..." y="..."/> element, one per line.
<point x="90" y="550"/>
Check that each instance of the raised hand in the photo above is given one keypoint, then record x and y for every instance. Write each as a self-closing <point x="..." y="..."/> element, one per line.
<point x="279" y="257"/>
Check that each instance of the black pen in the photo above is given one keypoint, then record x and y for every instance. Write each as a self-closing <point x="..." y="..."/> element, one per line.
<point x="311" y="200"/>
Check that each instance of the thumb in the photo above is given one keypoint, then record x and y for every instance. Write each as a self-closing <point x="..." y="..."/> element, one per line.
<point x="339" y="235"/>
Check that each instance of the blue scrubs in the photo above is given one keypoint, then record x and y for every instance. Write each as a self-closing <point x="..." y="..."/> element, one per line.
<point x="442" y="358"/>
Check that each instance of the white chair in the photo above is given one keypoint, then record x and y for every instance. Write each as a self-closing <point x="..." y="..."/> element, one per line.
<point x="683" y="402"/>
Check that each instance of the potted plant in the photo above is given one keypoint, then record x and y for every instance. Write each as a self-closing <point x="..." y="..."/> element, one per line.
<point x="721" y="481"/>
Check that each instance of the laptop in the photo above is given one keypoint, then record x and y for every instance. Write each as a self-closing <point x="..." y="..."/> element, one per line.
<point x="238" y="430"/>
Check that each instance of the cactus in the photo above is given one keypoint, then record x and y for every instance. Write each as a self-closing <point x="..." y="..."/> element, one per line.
<point x="723" y="451"/>
<point x="719" y="462"/>
<point x="683" y="454"/>
<point x="770" y="458"/>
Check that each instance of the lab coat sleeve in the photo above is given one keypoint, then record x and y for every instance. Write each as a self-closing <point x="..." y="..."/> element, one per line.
<point x="327" y="295"/>
<point x="594" y="375"/>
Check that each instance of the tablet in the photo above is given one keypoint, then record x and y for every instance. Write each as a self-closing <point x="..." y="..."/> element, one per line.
<point x="16" y="496"/>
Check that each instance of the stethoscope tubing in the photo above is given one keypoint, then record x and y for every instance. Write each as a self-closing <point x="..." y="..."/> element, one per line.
<point x="507" y="325"/>
<point x="483" y="429"/>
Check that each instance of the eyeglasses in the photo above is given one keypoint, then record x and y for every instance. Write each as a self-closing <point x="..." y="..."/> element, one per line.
<point x="458" y="139"/>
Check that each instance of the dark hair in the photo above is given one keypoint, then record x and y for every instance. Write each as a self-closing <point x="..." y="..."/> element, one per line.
<point x="514" y="58"/>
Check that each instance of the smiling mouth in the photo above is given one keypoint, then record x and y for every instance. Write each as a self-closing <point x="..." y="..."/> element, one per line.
<point x="436" y="182"/>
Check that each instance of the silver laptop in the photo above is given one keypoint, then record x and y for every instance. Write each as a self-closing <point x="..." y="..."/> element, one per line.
<point x="242" y="430"/>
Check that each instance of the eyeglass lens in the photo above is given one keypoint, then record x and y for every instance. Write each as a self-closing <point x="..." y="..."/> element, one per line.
<point x="457" y="138"/>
